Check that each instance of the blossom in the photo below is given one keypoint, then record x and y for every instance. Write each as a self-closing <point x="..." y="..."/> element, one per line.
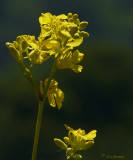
<point x="58" y="37"/>
<point x="69" y="60"/>
<point x="54" y="94"/>
<point x="77" y="140"/>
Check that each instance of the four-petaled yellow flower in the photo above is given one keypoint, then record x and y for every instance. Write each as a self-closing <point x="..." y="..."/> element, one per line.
<point x="54" y="94"/>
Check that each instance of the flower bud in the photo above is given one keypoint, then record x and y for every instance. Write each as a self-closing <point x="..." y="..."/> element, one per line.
<point x="24" y="45"/>
<point x="77" y="157"/>
<point x="75" y="17"/>
<point x="70" y="20"/>
<point x="66" y="139"/>
<point x="84" y="34"/>
<point x="77" y="22"/>
<point x="69" y="15"/>
<point x="60" y="144"/>
<point x="76" y="35"/>
<point x="13" y="51"/>
<point x="19" y="39"/>
<point x="83" y="25"/>
<point x="69" y="152"/>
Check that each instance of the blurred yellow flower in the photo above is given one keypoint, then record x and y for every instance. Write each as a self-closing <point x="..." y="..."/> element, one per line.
<point x="54" y="94"/>
<point x="79" y="140"/>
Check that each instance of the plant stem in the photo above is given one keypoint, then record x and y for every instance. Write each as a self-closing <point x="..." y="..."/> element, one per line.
<point x="40" y="111"/>
<point x="38" y="125"/>
<point x="28" y="75"/>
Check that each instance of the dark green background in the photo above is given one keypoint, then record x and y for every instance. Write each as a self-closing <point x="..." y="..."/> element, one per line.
<point x="101" y="97"/>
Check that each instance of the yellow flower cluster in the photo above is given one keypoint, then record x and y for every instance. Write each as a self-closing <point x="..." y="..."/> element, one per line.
<point x="58" y="37"/>
<point x="76" y="140"/>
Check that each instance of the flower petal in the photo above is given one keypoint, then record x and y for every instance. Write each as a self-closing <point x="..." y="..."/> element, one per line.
<point x="45" y="18"/>
<point x="51" y="100"/>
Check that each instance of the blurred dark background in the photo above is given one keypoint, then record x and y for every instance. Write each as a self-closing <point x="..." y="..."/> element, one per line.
<point x="101" y="97"/>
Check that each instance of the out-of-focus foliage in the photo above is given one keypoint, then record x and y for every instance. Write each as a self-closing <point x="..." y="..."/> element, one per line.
<point x="100" y="98"/>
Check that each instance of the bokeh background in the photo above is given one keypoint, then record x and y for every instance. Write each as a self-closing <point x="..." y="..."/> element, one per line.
<point x="101" y="97"/>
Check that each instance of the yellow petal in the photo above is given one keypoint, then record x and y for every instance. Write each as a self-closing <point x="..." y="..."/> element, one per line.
<point x="52" y="44"/>
<point x="68" y="128"/>
<point x="44" y="55"/>
<point x="62" y="16"/>
<point x="77" y="56"/>
<point x="77" y="68"/>
<point x="91" y="135"/>
<point x="59" y="96"/>
<point x="45" y="18"/>
<point x="74" y="42"/>
<point x="64" y="35"/>
<point x="31" y="41"/>
<point x="51" y="100"/>
<point x="88" y="145"/>
<point x="33" y="56"/>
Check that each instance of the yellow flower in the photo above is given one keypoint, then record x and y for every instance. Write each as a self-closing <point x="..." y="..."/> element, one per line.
<point x="62" y="27"/>
<point x="78" y="139"/>
<point x="68" y="60"/>
<point x="54" y="94"/>
<point x="59" y="35"/>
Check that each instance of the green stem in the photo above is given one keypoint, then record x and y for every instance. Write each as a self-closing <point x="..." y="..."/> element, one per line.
<point x="38" y="126"/>
<point x="28" y="75"/>
<point x="40" y="111"/>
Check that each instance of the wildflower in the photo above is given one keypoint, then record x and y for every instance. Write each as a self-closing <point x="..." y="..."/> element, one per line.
<point x="54" y="94"/>
<point x="77" y="140"/>
<point x="58" y="37"/>
<point x="69" y="60"/>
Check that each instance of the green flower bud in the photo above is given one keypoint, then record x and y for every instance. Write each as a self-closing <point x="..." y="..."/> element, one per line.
<point x="69" y="152"/>
<point x="13" y="51"/>
<point x="77" y="22"/>
<point x="19" y="39"/>
<point x="69" y="15"/>
<point x="76" y="35"/>
<point x="70" y="20"/>
<point x="77" y="157"/>
<point x="66" y="139"/>
<point x="60" y="144"/>
<point x="73" y="29"/>
<point x="24" y="45"/>
<point x="75" y="17"/>
<point x="83" y="25"/>
<point x="84" y="34"/>
<point x="15" y="44"/>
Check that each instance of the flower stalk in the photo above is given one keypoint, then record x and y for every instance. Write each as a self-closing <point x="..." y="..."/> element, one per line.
<point x="40" y="111"/>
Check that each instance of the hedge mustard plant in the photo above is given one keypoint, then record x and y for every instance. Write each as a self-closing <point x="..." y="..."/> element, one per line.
<point x="58" y="38"/>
